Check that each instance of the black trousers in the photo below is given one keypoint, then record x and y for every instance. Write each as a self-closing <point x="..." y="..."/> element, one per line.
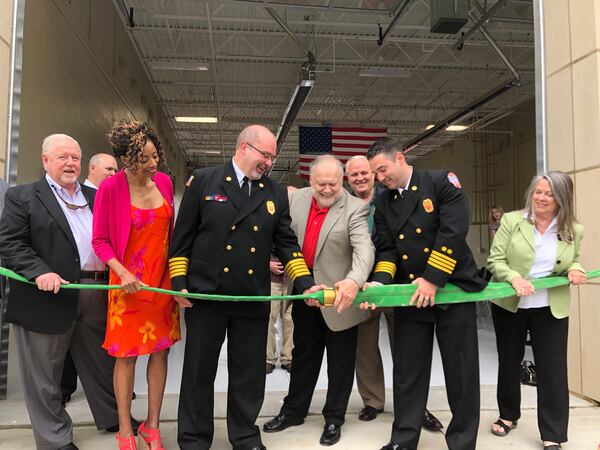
<point x="68" y="382"/>
<point x="549" y="343"/>
<point x="311" y="337"/>
<point x="456" y="331"/>
<point x="246" y="353"/>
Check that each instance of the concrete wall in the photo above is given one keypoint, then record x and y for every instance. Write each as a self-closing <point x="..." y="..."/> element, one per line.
<point x="81" y="74"/>
<point x="573" y="110"/>
<point x="6" y="9"/>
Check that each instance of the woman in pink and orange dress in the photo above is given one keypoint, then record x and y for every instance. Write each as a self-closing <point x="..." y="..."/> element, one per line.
<point x="133" y="220"/>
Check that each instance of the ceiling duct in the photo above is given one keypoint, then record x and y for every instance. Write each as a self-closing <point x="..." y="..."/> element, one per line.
<point x="461" y="115"/>
<point x="448" y="17"/>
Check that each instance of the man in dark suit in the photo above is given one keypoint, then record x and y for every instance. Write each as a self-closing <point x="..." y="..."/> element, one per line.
<point x="421" y="223"/>
<point x="230" y="218"/>
<point x="45" y="235"/>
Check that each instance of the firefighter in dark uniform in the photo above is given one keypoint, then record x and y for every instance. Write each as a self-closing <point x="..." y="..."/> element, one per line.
<point x="422" y="222"/>
<point x="229" y="219"/>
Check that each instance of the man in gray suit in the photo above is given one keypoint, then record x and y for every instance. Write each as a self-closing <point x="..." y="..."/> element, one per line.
<point x="332" y="229"/>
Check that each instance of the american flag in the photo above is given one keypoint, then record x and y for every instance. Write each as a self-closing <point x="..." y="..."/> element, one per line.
<point x="342" y="142"/>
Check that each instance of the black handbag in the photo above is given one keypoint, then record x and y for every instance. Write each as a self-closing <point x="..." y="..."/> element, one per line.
<point x="528" y="375"/>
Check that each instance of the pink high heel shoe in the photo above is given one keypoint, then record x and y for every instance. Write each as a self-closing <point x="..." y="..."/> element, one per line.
<point x="126" y="443"/>
<point x="148" y="437"/>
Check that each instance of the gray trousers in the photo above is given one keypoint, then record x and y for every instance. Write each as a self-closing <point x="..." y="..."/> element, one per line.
<point x="41" y="361"/>
<point x="369" y="364"/>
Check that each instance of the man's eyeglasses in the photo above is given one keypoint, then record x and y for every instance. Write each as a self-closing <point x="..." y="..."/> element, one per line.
<point x="265" y="155"/>
<point x="70" y="206"/>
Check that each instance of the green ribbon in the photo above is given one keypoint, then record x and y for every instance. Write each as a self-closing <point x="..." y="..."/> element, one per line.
<point x="383" y="295"/>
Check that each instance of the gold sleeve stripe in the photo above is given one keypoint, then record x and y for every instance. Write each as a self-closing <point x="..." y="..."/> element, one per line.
<point x="296" y="268"/>
<point x="295" y="272"/>
<point x="444" y="257"/>
<point x="382" y="264"/>
<point x="437" y="260"/>
<point x="386" y="267"/>
<point x="178" y="265"/>
<point x="439" y="267"/>
<point x="178" y="259"/>
<point x="178" y="273"/>
<point x="295" y="263"/>
<point x="298" y="274"/>
<point x="301" y="274"/>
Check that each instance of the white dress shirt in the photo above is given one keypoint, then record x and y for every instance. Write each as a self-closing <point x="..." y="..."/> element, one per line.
<point x="88" y="183"/>
<point x="543" y="263"/>
<point x="80" y="222"/>
<point x="240" y="176"/>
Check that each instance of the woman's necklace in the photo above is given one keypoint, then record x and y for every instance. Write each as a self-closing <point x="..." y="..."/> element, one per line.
<point x="143" y="189"/>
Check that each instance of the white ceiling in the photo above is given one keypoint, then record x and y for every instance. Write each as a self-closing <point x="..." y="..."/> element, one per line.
<point x="254" y="66"/>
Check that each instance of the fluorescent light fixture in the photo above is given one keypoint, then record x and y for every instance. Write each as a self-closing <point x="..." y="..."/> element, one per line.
<point x="430" y="126"/>
<point x="205" y="152"/>
<point x="456" y="127"/>
<point x="178" y="65"/>
<point x="384" y="72"/>
<point x="196" y="119"/>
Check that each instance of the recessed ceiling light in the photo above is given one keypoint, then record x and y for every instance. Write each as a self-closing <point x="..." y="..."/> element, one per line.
<point x="456" y="127"/>
<point x="430" y="126"/>
<point x="196" y="119"/>
<point x="178" y="65"/>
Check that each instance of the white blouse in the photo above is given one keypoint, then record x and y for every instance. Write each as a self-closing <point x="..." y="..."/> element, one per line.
<point x="543" y="263"/>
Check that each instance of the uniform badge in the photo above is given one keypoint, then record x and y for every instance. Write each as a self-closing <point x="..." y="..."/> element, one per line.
<point x="189" y="181"/>
<point x="452" y="178"/>
<point x="428" y="205"/>
<point x="270" y="207"/>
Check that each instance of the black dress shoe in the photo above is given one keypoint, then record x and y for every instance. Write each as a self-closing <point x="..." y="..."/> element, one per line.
<point x="368" y="413"/>
<point x="280" y="422"/>
<point x="270" y="368"/>
<point x="135" y="424"/>
<point x="287" y="367"/>
<point x="393" y="446"/>
<point x="70" y="446"/>
<point x="431" y="423"/>
<point x="331" y="434"/>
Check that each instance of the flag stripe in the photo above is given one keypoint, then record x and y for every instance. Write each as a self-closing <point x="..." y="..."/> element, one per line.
<point x="341" y="142"/>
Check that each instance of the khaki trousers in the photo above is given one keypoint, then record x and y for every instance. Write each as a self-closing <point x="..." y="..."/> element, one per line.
<point x="283" y="310"/>
<point x="369" y="365"/>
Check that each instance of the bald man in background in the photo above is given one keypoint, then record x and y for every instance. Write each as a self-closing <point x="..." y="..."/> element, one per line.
<point x="101" y="167"/>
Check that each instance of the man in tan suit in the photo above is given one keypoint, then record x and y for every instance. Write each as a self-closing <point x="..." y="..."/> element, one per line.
<point x="332" y="229"/>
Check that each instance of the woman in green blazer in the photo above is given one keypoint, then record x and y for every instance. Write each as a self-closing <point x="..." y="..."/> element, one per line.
<point x="542" y="240"/>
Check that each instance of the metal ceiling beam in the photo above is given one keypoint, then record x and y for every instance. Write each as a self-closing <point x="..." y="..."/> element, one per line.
<point x="215" y="77"/>
<point x="398" y="9"/>
<point x="326" y="107"/>
<point x="356" y="63"/>
<point x="466" y="113"/>
<point x="332" y="9"/>
<point x="482" y="21"/>
<point x="499" y="52"/>
<point x="363" y="36"/>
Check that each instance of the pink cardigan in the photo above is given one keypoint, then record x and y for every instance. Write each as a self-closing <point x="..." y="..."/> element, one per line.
<point x="112" y="214"/>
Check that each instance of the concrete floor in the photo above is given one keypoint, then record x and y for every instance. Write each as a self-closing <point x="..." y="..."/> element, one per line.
<point x="584" y="428"/>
